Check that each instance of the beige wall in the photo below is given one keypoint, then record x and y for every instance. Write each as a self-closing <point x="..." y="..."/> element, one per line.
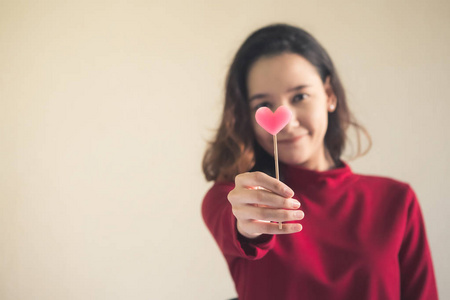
<point x="104" y="113"/>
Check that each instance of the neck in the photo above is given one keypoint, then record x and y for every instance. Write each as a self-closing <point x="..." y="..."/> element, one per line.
<point x="321" y="162"/>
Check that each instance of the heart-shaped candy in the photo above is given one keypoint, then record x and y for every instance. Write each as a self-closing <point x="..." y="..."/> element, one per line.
<point x="273" y="122"/>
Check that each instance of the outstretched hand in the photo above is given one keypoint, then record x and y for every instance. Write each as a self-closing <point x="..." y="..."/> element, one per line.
<point x="258" y="200"/>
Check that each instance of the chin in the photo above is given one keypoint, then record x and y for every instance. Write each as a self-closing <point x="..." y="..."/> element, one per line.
<point x="293" y="159"/>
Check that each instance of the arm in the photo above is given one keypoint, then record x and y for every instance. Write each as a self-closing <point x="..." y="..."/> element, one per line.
<point x="416" y="267"/>
<point x="218" y="216"/>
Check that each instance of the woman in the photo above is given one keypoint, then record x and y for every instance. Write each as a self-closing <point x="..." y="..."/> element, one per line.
<point x="355" y="236"/>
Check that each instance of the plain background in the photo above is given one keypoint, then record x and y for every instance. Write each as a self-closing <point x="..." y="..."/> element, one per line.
<point x="106" y="107"/>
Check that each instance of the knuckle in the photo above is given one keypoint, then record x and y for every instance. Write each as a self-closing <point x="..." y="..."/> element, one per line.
<point x="265" y="214"/>
<point x="260" y="214"/>
<point x="235" y="212"/>
<point x="296" y="227"/>
<point x="288" y="228"/>
<point x="279" y="216"/>
<point x="279" y="186"/>
<point x="238" y="178"/>
<point x="259" y="196"/>
<point x="231" y="195"/>
<point x="257" y="176"/>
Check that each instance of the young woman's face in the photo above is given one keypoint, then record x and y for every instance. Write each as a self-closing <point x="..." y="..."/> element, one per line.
<point x="291" y="80"/>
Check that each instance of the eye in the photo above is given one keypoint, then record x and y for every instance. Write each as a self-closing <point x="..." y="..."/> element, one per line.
<point x="299" y="97"/>
<point x="262" y="104"/>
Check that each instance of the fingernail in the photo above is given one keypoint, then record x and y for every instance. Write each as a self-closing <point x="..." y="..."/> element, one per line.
<point x="297" y="227"/>
<point x="295" y="203"/>
<point x="299" y="214"/>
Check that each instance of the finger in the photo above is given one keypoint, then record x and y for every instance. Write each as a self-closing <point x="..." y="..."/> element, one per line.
<point x="264" y="198"/>
<point x="253" y="179"/>
<point x="260" y="227"/>
<point x="268" y="214"/>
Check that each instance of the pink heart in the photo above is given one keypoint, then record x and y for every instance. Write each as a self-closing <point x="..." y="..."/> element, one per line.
<point x="273" y="122"/>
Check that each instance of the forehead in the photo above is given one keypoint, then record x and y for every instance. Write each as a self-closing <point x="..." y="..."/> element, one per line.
<point x="281" y="72"/>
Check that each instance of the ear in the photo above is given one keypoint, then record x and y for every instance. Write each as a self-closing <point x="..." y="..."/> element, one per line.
<point x="331" y="97"/>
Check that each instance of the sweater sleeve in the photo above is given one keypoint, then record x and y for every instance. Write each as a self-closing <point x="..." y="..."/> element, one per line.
<point x="416" y="267"/>
<point x="218" y="216"/>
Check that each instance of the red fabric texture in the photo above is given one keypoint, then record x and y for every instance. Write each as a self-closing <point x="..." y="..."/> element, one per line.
<point x="363" y="237"/>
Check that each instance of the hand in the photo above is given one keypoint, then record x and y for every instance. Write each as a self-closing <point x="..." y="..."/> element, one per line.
<point x="258" y="199"/>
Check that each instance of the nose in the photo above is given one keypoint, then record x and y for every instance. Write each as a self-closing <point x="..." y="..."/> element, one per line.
<point x="293" y="123"/>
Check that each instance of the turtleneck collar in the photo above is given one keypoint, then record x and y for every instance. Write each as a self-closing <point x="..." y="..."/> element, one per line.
<point x="307" y="179"/>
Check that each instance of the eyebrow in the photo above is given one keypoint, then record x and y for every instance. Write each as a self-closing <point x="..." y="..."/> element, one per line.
<point x="260" y="96"/>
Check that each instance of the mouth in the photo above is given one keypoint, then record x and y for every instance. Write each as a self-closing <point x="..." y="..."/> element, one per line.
<point x="291" y="140"/>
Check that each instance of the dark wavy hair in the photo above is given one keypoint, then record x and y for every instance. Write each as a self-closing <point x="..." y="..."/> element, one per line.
<point x="234" y="149"/>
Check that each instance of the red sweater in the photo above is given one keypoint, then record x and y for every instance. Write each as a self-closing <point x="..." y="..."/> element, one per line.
<point x="363" y="238"/>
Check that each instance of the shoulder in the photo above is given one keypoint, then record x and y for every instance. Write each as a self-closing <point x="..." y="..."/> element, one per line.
<point x="388" y="195"/>
<point x="380" y="181"/>
<point x="387" y="187"/>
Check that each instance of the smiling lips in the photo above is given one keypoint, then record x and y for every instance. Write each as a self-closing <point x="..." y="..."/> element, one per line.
<point x="291" y="140"/>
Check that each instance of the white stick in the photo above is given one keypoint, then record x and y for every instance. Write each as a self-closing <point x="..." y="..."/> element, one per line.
<point x="277" y="170"/>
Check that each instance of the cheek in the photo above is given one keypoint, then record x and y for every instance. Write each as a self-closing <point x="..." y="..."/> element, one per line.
<point x="319" y="120"/>
<point x="264" y="138"/>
